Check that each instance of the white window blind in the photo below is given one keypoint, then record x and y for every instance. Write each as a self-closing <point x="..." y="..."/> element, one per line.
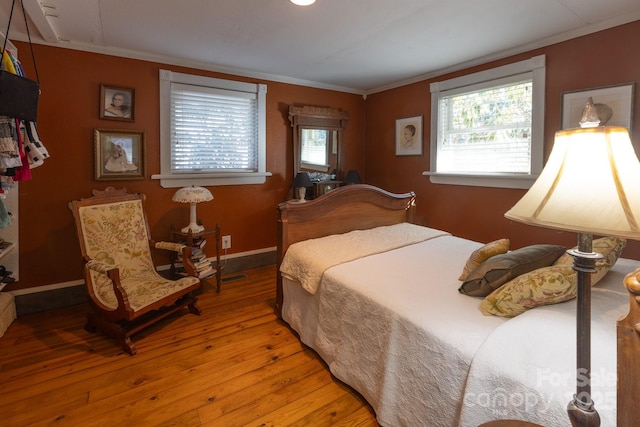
<point x="212" y="130"/>
<point x="486" y="130"/>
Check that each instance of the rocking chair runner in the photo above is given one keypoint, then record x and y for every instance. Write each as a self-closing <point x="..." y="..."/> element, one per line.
<point x="125" y="291"/>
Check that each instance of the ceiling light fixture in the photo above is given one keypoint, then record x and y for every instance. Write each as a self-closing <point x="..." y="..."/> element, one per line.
<point x="303" y="2"/>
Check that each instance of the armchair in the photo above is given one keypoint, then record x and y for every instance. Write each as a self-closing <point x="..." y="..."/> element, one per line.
<point x="125" y="291"/>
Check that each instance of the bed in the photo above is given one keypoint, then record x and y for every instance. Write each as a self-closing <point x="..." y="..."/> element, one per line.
<point x="393" y="325"/>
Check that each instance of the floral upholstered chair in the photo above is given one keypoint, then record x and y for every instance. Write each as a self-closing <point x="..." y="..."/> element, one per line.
<point x="125" y="291"/>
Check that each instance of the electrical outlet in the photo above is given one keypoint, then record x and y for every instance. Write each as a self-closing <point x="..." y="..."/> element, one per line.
<point x="226" y="242"/>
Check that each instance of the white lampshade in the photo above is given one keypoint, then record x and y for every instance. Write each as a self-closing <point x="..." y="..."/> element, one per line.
<point x="590" y="184"/>
<point x="303" y="2"/>
<point x="192" y="195"/>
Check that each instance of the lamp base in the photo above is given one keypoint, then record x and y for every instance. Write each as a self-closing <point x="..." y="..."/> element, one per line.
<point x="193" y="228"/>
<point x="301" y="193"/>
<point x="582" y="417"/>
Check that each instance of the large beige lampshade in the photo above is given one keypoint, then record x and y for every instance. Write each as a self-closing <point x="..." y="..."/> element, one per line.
<point x="590" y="184"/>
<point x="192" y="195"/>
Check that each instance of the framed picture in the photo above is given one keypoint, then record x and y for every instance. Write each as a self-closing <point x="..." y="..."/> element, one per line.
<point x="116" y="103"/>
<point x="119" y="154"/>
<point x="614" y="105"/>
<point x="409" y="136"/>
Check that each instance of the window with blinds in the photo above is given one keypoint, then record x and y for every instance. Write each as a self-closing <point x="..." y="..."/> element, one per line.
<point x="487" y="128"/>
<point x="212" y="131"/>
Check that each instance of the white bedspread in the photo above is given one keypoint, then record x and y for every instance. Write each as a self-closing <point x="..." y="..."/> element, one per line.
<point x="306" y="261"/>
<point x="394" y="326"/>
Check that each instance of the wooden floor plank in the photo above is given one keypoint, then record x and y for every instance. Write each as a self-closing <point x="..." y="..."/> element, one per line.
<point x="234" y="365"/>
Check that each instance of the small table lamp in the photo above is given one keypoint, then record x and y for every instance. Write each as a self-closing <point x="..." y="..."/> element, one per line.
<point x="192" y="195"/>
<point x="590" y="185"/>
<point x="300" y="184"/>
<point x="352" y="177"/>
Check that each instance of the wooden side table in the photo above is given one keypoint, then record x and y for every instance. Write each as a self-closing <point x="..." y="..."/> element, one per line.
<point x="205" y="268"/>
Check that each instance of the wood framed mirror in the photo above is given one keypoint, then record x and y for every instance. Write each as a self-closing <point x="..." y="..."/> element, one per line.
<point x="317" y="140"/>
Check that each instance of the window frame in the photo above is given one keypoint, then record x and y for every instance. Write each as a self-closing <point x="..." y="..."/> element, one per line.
<point x="536" y="67"/>
<point x="167" y="178"/>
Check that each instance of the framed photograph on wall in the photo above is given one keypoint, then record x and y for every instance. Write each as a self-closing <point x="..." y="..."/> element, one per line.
<point x="613" y="103"/>
<point x="117" y="103"/>
<point x="409" y="136"/>
<point x="119" y="154"/>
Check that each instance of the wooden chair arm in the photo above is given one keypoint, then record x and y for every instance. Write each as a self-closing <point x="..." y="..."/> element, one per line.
<point x="170" y="246"/>
<point x="182" y="249"/>
<point x="113" y="273"/>
<point x="100" y="267"/>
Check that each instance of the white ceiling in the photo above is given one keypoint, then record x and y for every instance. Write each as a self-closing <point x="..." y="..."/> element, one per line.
<point x="359" y="46"/>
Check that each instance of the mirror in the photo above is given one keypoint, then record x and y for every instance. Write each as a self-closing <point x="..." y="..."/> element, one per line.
<point x="317" y="138"/>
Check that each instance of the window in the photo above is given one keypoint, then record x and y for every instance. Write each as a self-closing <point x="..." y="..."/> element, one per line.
<point x="212" y="131"/>
<point x="487" y="128"/>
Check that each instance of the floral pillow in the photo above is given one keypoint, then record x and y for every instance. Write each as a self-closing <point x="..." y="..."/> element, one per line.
<point x="482" y="254"/>
<point x="609" y="247"/>
<point x="549" y="285"/>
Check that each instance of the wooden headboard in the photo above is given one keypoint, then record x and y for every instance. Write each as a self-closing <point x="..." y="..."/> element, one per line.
<point x="352" y="207"/>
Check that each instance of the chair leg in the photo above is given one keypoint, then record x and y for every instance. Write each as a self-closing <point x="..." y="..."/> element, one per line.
<point x="112" y="330"/>
<point x="90" y="326"/>
<point x="128" y="345"/>
<point x="194" y="309"/>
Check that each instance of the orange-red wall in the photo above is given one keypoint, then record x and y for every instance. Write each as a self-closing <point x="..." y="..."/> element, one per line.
<point x="68" y="114"/>
<point x="601" y="59"/>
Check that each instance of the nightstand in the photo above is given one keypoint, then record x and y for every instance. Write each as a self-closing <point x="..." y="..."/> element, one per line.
<point x="206" y="269"/>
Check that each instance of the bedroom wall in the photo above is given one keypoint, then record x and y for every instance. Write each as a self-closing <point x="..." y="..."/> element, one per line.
<point x="68" y="115"/>
<point x="601" y="59"/>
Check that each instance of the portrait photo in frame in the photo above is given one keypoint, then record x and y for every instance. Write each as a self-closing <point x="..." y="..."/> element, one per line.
<point x="119" y="154"/>
<point x="117" y="103"/>
<point x="409" y="136"/>
<point x="617" y="98"/>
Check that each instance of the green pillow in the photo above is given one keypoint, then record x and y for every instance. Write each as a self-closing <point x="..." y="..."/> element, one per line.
<point x="499" y="269"/>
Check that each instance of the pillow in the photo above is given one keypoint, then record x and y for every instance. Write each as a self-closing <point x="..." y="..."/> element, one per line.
<point x="609" y="247"/>
<point x="482" y="254"/>
<point x="543" y="286"/>
<point x="499" y="269"/>
<point x="549" y="285"/>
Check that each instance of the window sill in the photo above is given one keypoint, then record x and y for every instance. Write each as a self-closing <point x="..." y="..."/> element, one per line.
<point x="480" y="180"/>
<point x="206" y="180"/>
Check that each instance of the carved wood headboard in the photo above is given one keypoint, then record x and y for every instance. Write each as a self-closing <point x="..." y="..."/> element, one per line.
<point x="348" y="208"/>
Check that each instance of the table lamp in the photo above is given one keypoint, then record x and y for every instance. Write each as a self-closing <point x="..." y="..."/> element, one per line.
<point x="352" y="177"/>
<point x="590" y="185"/>
<point x="300" y="184"/>
<point x="192" y="195"/>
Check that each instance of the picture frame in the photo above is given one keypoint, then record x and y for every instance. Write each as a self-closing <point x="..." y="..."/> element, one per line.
<point x="117" y="103"/>
<point x="619" y="98"/>
<point x="119" y="154"/>
<point x="409" y="136"/>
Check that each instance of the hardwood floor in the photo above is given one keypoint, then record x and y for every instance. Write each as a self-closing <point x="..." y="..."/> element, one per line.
<point x="235" y="365"/>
